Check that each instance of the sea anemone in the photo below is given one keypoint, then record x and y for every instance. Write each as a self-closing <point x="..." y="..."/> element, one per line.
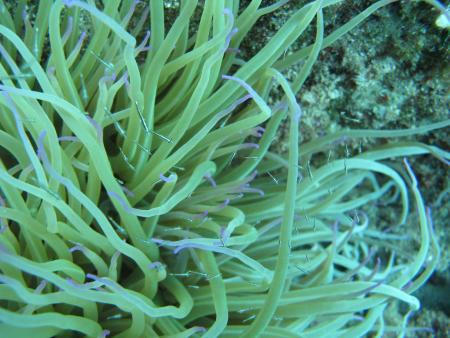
<point x="140" y="195"/>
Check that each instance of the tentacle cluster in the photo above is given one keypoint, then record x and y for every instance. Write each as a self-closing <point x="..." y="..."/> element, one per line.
<point x="139" y="195"/>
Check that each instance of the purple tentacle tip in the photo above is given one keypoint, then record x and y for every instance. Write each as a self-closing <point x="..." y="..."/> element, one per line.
<point x="166" y="179"/>
<point x="181" y="247"/>
<point x="210" y="180"/>
<point x="157" y="241"/>
<point x="252" y="176"/>
<point x="24" y="14"/>
<point x="202" y="215"/>
<point x="227" y="11"/>
<point x="143" y="45"/>
<point x="199" y="329"/>
<point x="51" y="70"/>
<point x="91" y="276"/>
<point x="68" y="3"/>
<point x="257" y="131"/>
<point x="251" y="145"/>
<point x="127" y="191"/>
<point x="72" y="282"/>
<point x="77" y="247"/>
<point x="3" y="225"/>
<point x="155" y="265"/>
<point x="224" y="204"/>
<point x="224" y="235"/>
<point x="247" y="189"/>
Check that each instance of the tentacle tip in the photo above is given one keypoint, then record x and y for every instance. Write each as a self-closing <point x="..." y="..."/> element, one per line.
<point x="105" y="333"/>
<point x="24" y="14"/>
<point x="91" y="276"/>
<point x="227" y="11"/>
<point x="168" y="179"/>
<point x="177" y="250"/>
<point x="155" y="265"/>
<point x="69" y="3"/>
<point x="199" y="329"/>
<point x="77" y="247"/>
<point x="3" y="227"/>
